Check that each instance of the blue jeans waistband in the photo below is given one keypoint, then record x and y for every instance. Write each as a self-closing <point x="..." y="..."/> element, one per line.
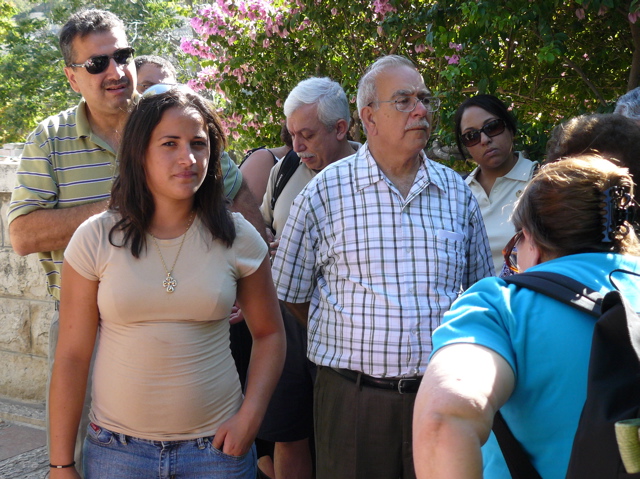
<point x="201" y="442"/>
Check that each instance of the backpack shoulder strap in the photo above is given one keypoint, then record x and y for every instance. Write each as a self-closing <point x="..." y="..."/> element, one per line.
<point x="250" y="152"/>
<point x="517" y="460"/>
<point x="561" y="288"/>
<point x="290" y="164"/>
<point x="565" y="290"/>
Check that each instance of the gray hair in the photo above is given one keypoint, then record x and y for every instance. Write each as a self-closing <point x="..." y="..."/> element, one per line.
<point x="326" y="93"/>
<point x="367" y="87"/>
<point x="83" y="23"/>
<point x="629" y="104"/>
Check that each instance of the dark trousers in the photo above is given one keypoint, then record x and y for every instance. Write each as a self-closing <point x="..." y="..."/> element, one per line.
<point x="361" y="432"/>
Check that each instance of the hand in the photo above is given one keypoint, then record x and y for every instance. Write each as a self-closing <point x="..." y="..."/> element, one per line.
<point x="273" y="248"/>
<point x="236" y="315"/>
<point x="269" y="234"/>
<point x="235" y="436"/>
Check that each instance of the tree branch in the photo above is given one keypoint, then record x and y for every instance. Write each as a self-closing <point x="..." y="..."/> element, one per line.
<point x="585" y="79"/>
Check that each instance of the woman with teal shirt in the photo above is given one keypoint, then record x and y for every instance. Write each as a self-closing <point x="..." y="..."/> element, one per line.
<point x="508" y="348"/>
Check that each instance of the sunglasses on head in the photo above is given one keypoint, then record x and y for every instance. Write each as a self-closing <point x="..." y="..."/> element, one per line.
<point x="510" y="252"/>
<point x="100" y="63"/>
<point x="491" y="129"/>
<point x="160" y="88"/>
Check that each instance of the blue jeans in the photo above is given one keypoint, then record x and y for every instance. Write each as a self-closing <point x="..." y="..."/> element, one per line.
<point x="109" y="455"/>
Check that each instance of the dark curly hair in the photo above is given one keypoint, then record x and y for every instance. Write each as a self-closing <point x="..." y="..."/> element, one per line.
<point x="83" y="23"/>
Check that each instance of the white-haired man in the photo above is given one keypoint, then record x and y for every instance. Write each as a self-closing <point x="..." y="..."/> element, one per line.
<point x="376" y="248"/>
<point x="317" y="113"/>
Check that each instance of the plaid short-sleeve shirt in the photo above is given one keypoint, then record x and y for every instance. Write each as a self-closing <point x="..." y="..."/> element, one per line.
<point x="379" y="270"/>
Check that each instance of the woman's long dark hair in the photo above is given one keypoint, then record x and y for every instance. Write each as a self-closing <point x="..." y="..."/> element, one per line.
<point x="130" y="194"/>
<point x="489" y="103"/>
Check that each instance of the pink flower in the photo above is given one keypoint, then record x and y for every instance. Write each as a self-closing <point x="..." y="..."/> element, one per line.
<point x="334" y="11"/>
<point x="456" y="46"/>
<point x="580" y="13"/>
<point x="265" y="43"/>
<point x="382" y="7"/>
<point x="453" y="59"/>
<point x="420" y="48"/>
<point x="633" y="17"/>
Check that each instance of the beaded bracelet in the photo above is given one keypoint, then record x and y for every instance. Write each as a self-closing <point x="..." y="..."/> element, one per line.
<point x="62" y="467"/>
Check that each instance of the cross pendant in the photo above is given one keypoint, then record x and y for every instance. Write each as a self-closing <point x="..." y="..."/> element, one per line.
<point x="169" y="283"/>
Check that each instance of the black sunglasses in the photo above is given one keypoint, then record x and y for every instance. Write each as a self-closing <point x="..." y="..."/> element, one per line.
<point x="491" y="129"/>
<point x="100" y="63"/>
<point x="510" y="252"/>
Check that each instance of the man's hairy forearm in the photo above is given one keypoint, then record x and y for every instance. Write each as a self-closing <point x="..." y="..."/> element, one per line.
<point x="49" y="229"/>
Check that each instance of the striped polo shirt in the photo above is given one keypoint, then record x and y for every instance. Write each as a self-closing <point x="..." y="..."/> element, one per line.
<point x="64" y="165"/>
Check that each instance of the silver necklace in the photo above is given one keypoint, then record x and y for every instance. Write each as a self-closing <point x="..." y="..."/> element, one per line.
<point x="169" y="282"/>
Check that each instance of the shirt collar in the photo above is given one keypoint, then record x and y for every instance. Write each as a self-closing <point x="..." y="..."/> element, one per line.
<point x="82" y="122"/>
<point x="521" y="171"/>
<point x="84" y="128"/>
<point x="367" y="172"/>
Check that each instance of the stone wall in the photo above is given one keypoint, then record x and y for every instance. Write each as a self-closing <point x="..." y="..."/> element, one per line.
<point x="26" y="309"/>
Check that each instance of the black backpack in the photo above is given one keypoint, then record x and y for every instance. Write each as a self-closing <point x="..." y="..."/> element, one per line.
<point x="290" y="164"/>
<point x="613" y="387"/>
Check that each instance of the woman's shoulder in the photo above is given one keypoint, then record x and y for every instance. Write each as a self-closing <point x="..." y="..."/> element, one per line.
<point x="248" y="242"/>
<point x="100" y="221"/>
<point x="244" y="229"/>
<point x="261" y="156"/>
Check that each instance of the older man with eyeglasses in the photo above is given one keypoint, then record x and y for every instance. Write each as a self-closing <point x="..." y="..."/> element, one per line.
<point x="377" y="247"/>
<point x="69" y="161"/>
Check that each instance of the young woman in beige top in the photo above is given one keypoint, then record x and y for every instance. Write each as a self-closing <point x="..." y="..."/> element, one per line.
<point x="156" y="276"/>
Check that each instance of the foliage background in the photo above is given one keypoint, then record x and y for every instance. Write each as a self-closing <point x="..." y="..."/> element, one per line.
<point x="548" y="59"/>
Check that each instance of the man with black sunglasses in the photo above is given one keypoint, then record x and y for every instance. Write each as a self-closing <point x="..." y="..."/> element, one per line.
<point x="69" y="161"/>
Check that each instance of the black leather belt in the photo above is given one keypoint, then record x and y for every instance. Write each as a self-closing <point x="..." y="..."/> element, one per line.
<point x="402" y="385"/>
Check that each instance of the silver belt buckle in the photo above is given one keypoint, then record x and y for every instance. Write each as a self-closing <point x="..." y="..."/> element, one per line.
<point x="401" y="383"/>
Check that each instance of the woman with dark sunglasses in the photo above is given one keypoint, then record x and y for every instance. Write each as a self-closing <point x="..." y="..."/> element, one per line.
<point x="513" y="349"/>
<point x="485" y="131"/>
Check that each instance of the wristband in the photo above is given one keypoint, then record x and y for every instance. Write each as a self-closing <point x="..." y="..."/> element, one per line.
<point x="62" y="467"/>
